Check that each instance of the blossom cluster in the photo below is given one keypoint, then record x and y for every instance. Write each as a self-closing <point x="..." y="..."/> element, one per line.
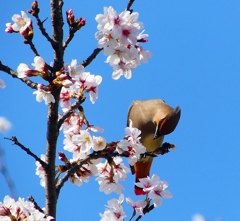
<point x="20" y="210"/>
<point x="81" y="144"/>
<point x="155" y="189"/>
<point x="114" y="210"/>
<point x="41" y="69"/>
<point x="118" y="35"/>
<point x="110" y="174"/>
<point x="131" y="144"/>
<point x="72" y="78"/>
<point x="76" y="81"/>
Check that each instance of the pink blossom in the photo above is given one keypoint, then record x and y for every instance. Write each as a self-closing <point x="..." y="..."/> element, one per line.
<point x="137" y="206"/>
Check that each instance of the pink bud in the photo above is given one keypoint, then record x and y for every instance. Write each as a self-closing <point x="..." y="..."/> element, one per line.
<point x="4" y="211"/>
<point x="62" y="156"/>
<point x="9" y="28"/>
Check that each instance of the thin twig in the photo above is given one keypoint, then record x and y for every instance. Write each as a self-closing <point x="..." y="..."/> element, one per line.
<point x="35" y="12"/>
<point x="42" y="29"/>
<point x="91" y="57"/>
<point x="28" y="151"/>
<point x="6" y="175"/>
<point x="69" y="38"/>
<point x="129" y="5"/>
<point x="73" y="107"/>
<point x="36" y="206"/>
<point x="32" y="46"/>
<point x="8" y="70"/>
<point x="146" y="210"/>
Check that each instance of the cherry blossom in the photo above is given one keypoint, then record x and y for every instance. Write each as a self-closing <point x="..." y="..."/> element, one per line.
<point x="83" y="139"/>
<point x="74" y="70"/>
<point x="137" y="206"/>
<point x="123" y="69"/>
<point x="40" y="171"/>
<point x="131" y="144"/>
<point x="24" y="70"/>
<point x="5" y="125"/>
<point x="91" y="85"/>
<point x="114" y="210"/>
<point x="21" y="22"/>
<point x="39" y="64"/>
<point x="109" y="184"/>
<point x="99" y="143"/>
<point x="94" y="128"/>
<point x="76" y="81"/>
<point x="9" y="28"/>
<point x="198" y="217"/>
<point x="42" y="94"/>
<point x="40" y="68"/>
<point x="155" y="188"/>
<point x="120" y="169"/>
<point x="109" y="174"/>
<point x="20" y="210"/>
<point x="84" y="172"/>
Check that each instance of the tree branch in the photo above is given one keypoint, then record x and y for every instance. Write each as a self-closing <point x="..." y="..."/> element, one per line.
<point x="32" y="46"/>
<point x="86" y="62"/>
<point x="27" y="150"/>
<point x="36" y="206"/>
<point x="57" y="25"/>
<point x="146" y="210"/>
<point x="95" y="155"/>
<point x="52" y="118"/>
<point x="73" y="107"/>
<point x="69" y="38"/>
<point x="42" y="29"/>
<point x="35" y="12"/>
<point x="129" y="5"/>
<point x="9" y="71"/>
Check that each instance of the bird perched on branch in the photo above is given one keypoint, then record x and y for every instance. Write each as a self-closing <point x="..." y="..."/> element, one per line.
<point x="155" y="119"/>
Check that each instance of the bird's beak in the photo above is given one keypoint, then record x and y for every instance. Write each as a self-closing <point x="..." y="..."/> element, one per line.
<point x="157" y="131"/>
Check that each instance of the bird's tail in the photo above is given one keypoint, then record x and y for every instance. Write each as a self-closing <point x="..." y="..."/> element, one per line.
<point x="142" y="169"/>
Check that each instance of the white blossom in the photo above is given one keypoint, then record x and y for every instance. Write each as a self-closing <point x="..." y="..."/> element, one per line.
<point x="137" y="206"/>
<point x="155" y="188"/>
<point x="5" y="125"/>
<point x="114" y="210"/>
<point x="44" y="95"/>
<point x="21" y="22"/>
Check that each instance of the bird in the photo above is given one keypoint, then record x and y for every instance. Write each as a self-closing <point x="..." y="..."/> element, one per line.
<point x="154" y="118"/>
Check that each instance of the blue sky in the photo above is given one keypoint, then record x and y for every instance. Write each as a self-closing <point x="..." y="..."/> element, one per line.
<point x="195" y="64"/>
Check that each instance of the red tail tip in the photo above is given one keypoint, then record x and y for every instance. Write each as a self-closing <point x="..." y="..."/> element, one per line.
<point x="139" y="191"/>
